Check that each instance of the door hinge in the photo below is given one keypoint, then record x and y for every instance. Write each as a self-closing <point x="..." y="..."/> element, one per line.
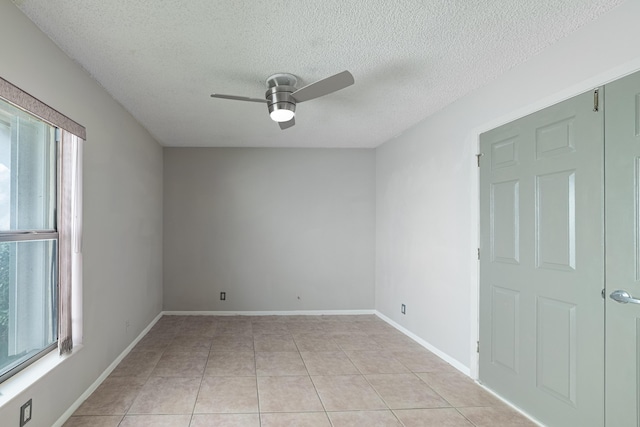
<point x="596" y="99"/>
<point x="478" y="158"/>
<point x="602" y="294"/>
<point x="478" y="253"/>
<point x="478" y="347"/>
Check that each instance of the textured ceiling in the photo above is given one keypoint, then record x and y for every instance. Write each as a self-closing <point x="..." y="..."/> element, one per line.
<point x="161" y="59"/>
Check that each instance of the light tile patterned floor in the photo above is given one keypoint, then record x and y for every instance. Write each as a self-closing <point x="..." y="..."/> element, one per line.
<point x="276" y="371"/>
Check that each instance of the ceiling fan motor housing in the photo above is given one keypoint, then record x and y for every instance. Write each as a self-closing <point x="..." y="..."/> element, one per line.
<point x="279" y="98"/>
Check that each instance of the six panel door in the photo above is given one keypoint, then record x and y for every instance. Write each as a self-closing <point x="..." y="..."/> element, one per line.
<point x="542" y="263"/>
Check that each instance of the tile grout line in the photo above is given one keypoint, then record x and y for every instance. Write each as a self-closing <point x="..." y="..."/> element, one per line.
<point x="380" y="396"/>
<point x="314" y="385"/>
<point x="255" y="365"/>
<point x="326" y="413"/>
<point x="204" y="370"/>
<point x="463" y="416"/>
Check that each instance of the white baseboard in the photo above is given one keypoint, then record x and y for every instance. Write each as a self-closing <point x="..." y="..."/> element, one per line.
<point x="450" y="360"/>
<point x="270" y="313"/>
<point x="67" y="414"/>
<point x="509" y="404"/>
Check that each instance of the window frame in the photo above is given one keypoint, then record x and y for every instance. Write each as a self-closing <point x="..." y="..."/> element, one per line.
<point x="69" y="311"/>
<point x="51" y="163"/>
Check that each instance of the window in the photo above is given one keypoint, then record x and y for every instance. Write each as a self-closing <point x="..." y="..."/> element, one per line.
<point x="40" y="222"/>
<point x="28" y="238"/>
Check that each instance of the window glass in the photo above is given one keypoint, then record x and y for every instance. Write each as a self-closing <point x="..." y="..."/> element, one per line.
<point x="27" y="171"/>
<point x="28" y="238"/>
<point x="27" y="300"/>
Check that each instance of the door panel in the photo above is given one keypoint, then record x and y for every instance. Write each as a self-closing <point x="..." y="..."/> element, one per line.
<point x="556" y="345"/>
<point x="542" y="263"/>
<point x="555" y="237"/>
<point x="622" y="156"/>
<point x="505" y="231"/>
<point x="505" y="328"/>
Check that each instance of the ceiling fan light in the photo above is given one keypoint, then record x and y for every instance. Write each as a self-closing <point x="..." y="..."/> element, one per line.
<point x="282" y="111"/>
<point x="282" y="115"/>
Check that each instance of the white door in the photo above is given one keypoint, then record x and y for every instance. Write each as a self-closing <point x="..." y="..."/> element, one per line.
<point x="622" y="157"/>
<point x="542" y="263"/>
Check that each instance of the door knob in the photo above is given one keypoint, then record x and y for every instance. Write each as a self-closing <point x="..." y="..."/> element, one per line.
<point x="623" y="297"/>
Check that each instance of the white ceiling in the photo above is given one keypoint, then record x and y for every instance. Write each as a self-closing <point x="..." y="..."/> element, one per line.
<point x="161" y="59"/>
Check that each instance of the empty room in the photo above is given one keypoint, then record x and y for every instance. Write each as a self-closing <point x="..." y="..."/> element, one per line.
<point x="433" y="219"/>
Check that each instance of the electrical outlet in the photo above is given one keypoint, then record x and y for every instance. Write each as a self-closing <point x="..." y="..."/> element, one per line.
<point x="223" y="296"/>
<point x="403" y="309"/>
<point x="25" y="413"/>
<point x="127" y="325"/>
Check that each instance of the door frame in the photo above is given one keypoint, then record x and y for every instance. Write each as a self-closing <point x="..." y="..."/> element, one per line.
<point x="473" y="143"/>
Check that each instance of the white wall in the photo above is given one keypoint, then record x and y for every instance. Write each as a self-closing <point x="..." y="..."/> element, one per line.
<point x="122" y="213"/>
<point x="276" y="229"/>
<point x="426" y="182"/>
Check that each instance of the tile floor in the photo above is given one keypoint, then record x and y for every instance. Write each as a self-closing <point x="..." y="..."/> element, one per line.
<point x="298" y="371"/>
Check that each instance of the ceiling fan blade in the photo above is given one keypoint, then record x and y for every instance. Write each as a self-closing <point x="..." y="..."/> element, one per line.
<point x="287" y="125"/>
<point x="238" y="98"/>
<point x="324" y="87"/>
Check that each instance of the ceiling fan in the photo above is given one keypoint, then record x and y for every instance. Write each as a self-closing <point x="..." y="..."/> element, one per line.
<point x="282" y="96"/>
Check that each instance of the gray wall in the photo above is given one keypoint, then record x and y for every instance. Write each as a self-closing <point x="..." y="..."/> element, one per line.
<point x="427" y="182"/>
<point x="122" y="214"/>
<point x="276" y="229"/>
